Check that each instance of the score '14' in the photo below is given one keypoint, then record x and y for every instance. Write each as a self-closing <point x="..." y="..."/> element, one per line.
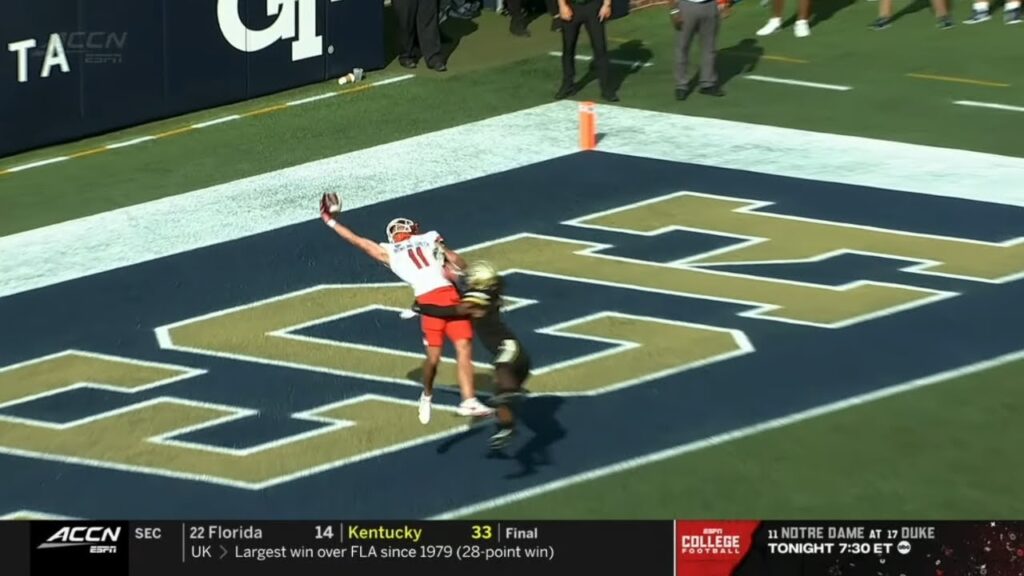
<point x="324" y="532"/>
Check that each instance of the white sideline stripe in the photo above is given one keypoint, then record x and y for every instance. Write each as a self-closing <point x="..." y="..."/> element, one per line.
<point x="392" y="80"/>
<point x="775" y="80"/>
<point x="587" y="58"/>
<point x="990" y="105"/>
<point x="129" y="142"/>
<point x="726" y="437"/>
<point x="33" y="515"/>
<point x="217" y="121"/>
<point x="38" y="164"/>
<point x="110" y="240"/>
<point x="311" y="99"/>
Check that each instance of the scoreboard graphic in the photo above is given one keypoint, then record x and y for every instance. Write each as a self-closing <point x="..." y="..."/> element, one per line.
<point x="679" y="548"/>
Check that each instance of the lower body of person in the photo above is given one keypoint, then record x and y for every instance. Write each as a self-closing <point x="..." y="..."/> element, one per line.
<point x="517" y="18"/>
<point x="510" y="373"/>
<point x="419" y="33"/>
<point x="460" y="333"/>
<point x="699" y="19"/>
<point x="801" y="28"/>
<point x="941" y="8"/>
<point x="585" y="15"/>
<point x="980" y="12"/>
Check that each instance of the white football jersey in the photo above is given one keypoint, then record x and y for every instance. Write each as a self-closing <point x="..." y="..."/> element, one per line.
<point x="419" y="261"/>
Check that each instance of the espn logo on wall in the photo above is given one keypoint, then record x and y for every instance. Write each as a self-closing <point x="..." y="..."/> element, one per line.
<point x="98" y="539"/>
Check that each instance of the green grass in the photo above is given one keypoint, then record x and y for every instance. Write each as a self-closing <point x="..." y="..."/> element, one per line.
<point x="494" y="73"/>
<point x="945" y="451"/>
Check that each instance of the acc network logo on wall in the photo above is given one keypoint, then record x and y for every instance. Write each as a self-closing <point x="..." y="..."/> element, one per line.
<point x="296" y="21"/>
<point x="74" y="69"/>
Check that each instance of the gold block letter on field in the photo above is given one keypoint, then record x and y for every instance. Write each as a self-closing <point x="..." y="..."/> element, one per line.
<point x="649" y="347"/>
<point x="773" y="299"/>
<point x="261" y="332"/>
<point x="141" y="437"/>
<point x="778" y="237"/>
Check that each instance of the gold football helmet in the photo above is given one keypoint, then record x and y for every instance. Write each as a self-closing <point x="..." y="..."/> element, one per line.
<point x="481" y="275"/>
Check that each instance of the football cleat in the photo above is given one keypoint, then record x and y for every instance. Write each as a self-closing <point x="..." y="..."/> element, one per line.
<point x="881" y="24"/>
<point x="978" y="17"/>
<point x="771" y="27"/>
<point x="424" y="409"/>
<point x="501" y="438"/>
<point x="473" y="407"/>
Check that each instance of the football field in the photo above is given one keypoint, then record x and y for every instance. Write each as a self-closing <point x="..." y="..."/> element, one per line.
<point x="799" y="301"/>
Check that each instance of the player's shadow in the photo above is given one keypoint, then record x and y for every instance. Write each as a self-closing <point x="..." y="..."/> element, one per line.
<point x="537" y="420"/>
<point x="741" y="58"/>
<point x="912" y="8"/>
<point x="452" y="33"/>
<point x="821" y="11"/>
<point x="538" y="415"/>
<point x="629" y="58"/>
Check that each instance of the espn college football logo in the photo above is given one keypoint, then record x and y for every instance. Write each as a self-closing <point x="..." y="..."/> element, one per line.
<point x="705" y="548"/>
<point x="101" y="540"/>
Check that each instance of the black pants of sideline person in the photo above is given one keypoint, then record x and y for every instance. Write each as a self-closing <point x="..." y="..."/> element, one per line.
<point x="419" y="32"/>
<point x="585" y="15"/>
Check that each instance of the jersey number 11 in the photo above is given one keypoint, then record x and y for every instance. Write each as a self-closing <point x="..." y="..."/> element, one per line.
<point x="418" y="258"/>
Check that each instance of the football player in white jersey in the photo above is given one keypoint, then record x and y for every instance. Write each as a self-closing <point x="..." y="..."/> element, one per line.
<point x="421" y="260"/>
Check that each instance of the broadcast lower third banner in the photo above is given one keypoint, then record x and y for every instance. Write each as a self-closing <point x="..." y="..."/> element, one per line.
<point x="681" y="548"/>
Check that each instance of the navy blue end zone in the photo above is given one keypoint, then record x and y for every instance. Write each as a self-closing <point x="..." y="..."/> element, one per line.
<point x="794" y="367"/>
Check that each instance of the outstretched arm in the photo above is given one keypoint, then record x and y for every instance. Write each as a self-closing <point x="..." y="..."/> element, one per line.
<point x="453" y="257"/>
<point x="371" y="248"/>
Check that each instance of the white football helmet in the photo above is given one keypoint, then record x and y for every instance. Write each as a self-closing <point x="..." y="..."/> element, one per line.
<point x="401" y="226"/>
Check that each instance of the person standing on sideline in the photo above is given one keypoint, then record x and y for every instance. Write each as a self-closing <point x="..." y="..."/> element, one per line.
<point x="593" y="14"/>
<point x="419" y="33"/>
<point x="690" y="18"/>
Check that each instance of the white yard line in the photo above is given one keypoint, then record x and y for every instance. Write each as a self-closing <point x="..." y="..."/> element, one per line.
<point x="803" y="83"/>
<point x="130" y="142"/>
<point x="217" y="121"/>
<point x="37" y="164"/>
<point x="630" y="63"/>
<point x="990" y="105"/>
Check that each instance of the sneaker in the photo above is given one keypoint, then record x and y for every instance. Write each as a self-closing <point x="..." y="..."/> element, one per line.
<point x="1012" y="16"/>
<point x="473" y="407"/>
<point x="977" y="17"/>
<point x="881" y="24"/>
<point x="801" y="29"/>
<point x="945" y="23"/>
<point x="501" y="438"/>
<point x="424" y="408"/>
<point x="771" y="27"/>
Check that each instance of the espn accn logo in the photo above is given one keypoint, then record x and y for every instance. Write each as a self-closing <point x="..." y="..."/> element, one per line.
<point x="85" y="536"/>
